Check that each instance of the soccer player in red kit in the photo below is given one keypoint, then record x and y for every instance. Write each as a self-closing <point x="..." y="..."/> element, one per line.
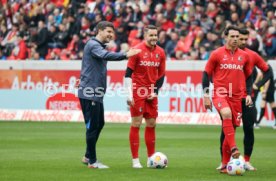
<point x="230" y="70"/>
<point x="144" y="76"/>
<point x="249" y="113"/>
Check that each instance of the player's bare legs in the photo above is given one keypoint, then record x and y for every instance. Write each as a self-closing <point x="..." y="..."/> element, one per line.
<point x="135" y="141"/>
<point x="150" y="137"/>
<point x="273" y="108"/>
<point x="263" y="103"/>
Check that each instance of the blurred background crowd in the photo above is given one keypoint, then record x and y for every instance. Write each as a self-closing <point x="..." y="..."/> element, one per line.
<point x="188" y="30"/>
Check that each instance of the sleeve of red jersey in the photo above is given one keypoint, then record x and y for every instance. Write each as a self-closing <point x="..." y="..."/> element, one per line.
<point x="260" y="63"/>
<point x="162" y="67"/>
<point x="132" y="62"/>
<point x="211" y="63"/>
<point x="247" y="66"/>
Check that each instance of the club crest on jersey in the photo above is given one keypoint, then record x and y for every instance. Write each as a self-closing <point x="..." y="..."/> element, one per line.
<point x="219" y="104"/>
<point x="239" y="58"/>
<point x="140" y="109"/>
<point x="157" y="56"/>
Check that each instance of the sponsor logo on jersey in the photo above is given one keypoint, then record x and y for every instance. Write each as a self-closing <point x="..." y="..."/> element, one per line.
<point x="225" y="58"/>
<point x="146" y="55"/>
<point x="231" y="66"/>
<point x="149" y="63"/>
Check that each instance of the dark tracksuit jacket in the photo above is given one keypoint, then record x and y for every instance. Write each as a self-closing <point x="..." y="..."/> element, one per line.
<point x="93" y="70"/>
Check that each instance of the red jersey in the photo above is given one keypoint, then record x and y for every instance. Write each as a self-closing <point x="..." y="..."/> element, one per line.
<point x="148" y="66"/>
<point x="256" y="60"/>
<point x="229" y="71"/>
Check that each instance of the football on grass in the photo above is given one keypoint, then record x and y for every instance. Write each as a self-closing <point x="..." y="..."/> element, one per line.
<point x="158" y="160"/>
<point x="236" y="167"/>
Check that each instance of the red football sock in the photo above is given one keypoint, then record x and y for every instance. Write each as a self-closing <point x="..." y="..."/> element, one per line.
<point x="246" y="158"/>
<point x="134" y="141"/>
<point x="226" y="153"/>
<point x="150" y="140"/>
<point x="229" y="133"/>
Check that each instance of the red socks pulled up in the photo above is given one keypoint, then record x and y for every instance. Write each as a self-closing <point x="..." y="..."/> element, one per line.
<point x="150" y="140"/>
<point x="229" y="132"/>
<point x="134" y="140"/>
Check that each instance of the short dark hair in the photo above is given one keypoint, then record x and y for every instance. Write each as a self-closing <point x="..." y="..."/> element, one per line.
<point x="231" y="27"/>
<point x="244" y="32"/>
<point x="149" y="27"/>
<point x="104" y="24"/>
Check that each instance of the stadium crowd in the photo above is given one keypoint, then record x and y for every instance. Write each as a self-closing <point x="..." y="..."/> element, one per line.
<point x="188" y="30"/>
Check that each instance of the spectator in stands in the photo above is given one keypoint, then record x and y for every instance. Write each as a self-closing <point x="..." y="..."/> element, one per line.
<point x="121" y="37"/>
<point x="212" y="41"/>
<point x="3" y="32"/>
<point x="41" y="43"/>
<point x="244" y="10"/>
<point x="52" y="32"/>
<point x="212" y="10"/>
<point x="253" y="42"/>
<point x="53" y="56"/>
<point x="85" y="24"/>
<point x="162" y="39"/>
<point x="193" y="55"/>
<point x="2" y="56"/>
<point x="206" y="23"/>
<point x="10" y="40"/>
<point x="270" y="42"/>
<point x="235" y="19"/>
<point x="251" y="15"/>
<point x="76" y="16"/>
<point x="50" y="21"/>
<point x="57" y="17"/>
<point x="61" y="38"/>
<point x="270" y="16"/>
<point x="203" y="53"/>
<point x="74" y="27"/>
<point x="137" y="14"/>
<point x="36" y="17"/>
<point x="170" y="46"/>
<point x="170" y="12"/>
<point x="199" y="39"/>
<point x="129" y="18"/>
<point x="219" y="25"/>
<point x="20" y="50"/>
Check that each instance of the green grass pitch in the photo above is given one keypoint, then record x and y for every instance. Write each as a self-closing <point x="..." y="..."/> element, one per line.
<point x="37" y="151"/>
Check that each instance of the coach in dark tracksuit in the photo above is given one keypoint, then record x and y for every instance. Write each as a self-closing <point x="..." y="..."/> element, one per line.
<point x="92" y="86"/>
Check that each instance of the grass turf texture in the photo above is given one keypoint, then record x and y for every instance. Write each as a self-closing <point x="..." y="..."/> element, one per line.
<point x="52" y="151"/>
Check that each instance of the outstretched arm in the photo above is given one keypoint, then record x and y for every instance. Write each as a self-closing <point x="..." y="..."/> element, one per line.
<point x="100" y="52"/>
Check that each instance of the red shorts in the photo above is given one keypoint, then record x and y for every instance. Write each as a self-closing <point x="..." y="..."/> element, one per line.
<point x="143" y="107"/>
<point x="234" y="104"/>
